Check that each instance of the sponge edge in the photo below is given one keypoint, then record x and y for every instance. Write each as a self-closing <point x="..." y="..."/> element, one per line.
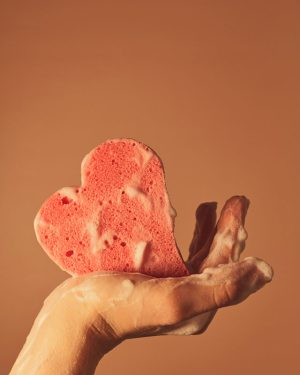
<point x="119" y="219"/>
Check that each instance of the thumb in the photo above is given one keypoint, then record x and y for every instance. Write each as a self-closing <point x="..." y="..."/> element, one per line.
<point x="159" y="303"/>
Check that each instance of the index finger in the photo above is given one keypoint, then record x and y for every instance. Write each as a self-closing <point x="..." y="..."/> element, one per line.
<point x="230" y="237"/>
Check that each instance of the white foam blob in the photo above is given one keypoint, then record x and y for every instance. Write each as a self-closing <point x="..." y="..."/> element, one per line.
<point x="191" y="326"/>
<point x="98" y="243"/>
<point x="146" y="155"/>
<point x="264" y="267"/>
<point x="134" y="192"/>
<point x="139" y="252"/>
<point x="124" y="292"/>
<point x="142" y="156"/>
<point x="83" y="165"/>
<point x="69" y="192"/>
<point x="242" y="234"/>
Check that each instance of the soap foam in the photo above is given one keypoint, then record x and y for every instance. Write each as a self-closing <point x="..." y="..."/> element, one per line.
<point x="139" y="254"/>
<point x="69" y="192"/>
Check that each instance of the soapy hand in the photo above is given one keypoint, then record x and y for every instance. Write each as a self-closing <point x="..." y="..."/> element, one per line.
<point x="87" y="316"/>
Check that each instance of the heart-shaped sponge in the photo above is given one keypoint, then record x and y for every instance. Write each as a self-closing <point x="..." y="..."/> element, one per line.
<point x="119" y="219"/>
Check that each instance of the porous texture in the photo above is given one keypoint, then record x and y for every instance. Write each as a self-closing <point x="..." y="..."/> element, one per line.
<point x="119" y="219"/>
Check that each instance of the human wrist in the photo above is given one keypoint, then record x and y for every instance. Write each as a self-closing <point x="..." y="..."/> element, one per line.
<point x="63" y="339"/>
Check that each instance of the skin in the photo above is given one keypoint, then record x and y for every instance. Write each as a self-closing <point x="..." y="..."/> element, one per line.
<point x="87" y="316"/>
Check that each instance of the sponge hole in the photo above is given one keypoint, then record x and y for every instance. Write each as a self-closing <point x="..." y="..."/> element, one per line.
<point x="69" y="253"/>
<point x="65" y="200"/>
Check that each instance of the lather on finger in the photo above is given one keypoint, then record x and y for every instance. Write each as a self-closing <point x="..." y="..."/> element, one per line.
<point x="230" y="236"/>
<point x="225" y="285"/>
<point x="204" y="232"/>
<point x="210" y="239"/>
<point x="158" y="303"/>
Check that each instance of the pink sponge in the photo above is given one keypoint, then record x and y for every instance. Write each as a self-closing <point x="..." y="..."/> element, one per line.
<point x="119" y="219"/>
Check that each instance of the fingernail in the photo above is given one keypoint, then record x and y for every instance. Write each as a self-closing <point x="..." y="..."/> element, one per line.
<point x="242" y="234"/>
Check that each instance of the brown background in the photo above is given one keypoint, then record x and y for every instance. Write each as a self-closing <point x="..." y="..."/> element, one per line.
<point x="213" y="87"/>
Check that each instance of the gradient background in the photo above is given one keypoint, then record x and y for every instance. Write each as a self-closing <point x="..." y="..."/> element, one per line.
<point x="213" y="87"/>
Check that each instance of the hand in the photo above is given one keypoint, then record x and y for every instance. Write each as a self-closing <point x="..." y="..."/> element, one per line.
<point x="213" y="245"/>
<point x="87" y="316"/>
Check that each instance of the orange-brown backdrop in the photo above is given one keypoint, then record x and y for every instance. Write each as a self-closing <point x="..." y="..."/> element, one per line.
<point x="213" y="87"/>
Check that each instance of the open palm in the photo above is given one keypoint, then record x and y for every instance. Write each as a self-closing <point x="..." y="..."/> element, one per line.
<point x="87" y="316"/>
